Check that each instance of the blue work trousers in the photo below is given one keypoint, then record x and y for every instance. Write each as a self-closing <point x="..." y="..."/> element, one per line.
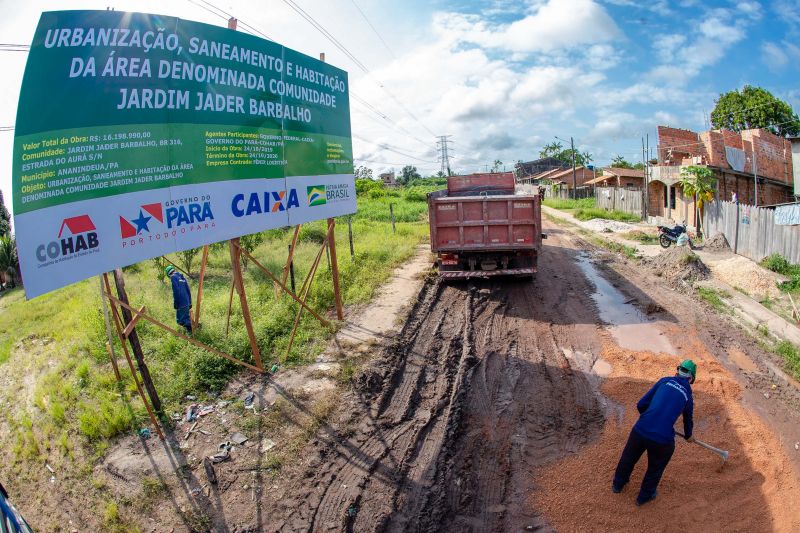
<point x="183" y="318"/>
<point x="658" y="456"/>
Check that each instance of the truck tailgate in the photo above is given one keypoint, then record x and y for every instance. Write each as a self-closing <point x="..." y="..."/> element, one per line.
<point x="490" y="223"/>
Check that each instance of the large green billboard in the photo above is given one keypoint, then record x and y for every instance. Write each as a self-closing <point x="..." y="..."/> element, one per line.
<point x="139" y="135"/>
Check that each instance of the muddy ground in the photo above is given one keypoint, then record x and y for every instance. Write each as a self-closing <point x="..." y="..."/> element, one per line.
<point x="501" y="406"/>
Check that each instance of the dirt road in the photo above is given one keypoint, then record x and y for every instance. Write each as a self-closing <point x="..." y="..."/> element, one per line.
<point x="461" y="425"/>
<point x="476" y="395"/>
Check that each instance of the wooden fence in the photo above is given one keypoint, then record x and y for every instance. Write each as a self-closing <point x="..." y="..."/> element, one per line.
<point x="751" y="231"/>
<point x="616" y="198"/>
<point x="565" y="193"/>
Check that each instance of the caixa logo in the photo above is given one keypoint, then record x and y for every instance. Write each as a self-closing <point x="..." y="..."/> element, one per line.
<point x="173" y="218"/>
<point x="77" y="236"/>
<point x="263" y="202"/>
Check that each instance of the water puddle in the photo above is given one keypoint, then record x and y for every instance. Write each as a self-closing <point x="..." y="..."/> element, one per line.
<point x="630" y="327"/>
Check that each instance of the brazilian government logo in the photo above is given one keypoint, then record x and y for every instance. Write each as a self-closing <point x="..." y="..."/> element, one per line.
<point x="316" y="195"/>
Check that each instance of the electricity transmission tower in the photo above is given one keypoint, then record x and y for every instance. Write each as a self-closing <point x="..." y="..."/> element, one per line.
<point x="444" y="155"/>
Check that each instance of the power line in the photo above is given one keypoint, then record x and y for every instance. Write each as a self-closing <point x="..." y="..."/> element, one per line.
<point x="240" y="21"/>
<point x="385" y="146"/>
<point x="353" y="58"/>
<point x="385" y="44"/>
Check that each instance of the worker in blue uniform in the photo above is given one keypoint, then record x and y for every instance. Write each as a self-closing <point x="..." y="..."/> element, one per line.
<point x="653" y="433"/>
<point x="181" y="298"/>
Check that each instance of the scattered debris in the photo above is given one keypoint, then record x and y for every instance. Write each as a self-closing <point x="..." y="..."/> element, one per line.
<point x="191" y="415"/>
<point x="176" y="416"/>
<point x="223" y="404"/>
<point x="207" y="410"/>
<point x="145" y="433"/>
<point x="274" y="368"/>
<point x="52" y="479"/>
<point x="191" y="398"/>
<point x="188" y="433"/>
<point x="50" y="468"/>
<point x="249" y="399"/>
<point x="220" y="457"/>
<point x="209" y="468"/>
<point x="267" y="445"/>
<point x="238" y="438"/>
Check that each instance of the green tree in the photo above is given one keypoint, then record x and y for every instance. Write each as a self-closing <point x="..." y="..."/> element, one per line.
<point x="9" y="260"/>
<point x="497" y="165"/>
<point x="754" y="107"/>
<point x="408" y="173"/>
<point x="556" y="149"/>
<point x="363" y="173"/>
<point x="620" y="162"/>
<point x="249" y="243"/>
<point x="187" y="258"/>
<point x="5" y="217"/>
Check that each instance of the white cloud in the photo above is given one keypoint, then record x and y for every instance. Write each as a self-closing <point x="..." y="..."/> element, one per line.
<point x="754" y="10"/>
<point x="774" y="56"/>
<point x="557" y="24"/>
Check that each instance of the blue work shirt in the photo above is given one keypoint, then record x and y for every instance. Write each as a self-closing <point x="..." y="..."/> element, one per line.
<point x="661" y="406"/>
<point x="181" y="295"/>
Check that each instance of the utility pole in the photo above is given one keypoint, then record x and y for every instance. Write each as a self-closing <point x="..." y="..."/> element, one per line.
<point x="444" y="155"/>
<point x="574" y="177"/>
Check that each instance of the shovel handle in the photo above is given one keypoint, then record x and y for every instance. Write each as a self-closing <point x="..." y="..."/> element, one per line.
<point x="724" y="454"/>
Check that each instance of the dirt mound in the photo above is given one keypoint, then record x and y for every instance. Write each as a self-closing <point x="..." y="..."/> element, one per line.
<point x="717" y="243"/>
<point x="747" y="275"/>
<point x="679" y="265"/>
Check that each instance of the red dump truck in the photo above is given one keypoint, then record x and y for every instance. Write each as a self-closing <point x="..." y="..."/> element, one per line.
<point x="482" y="226"/>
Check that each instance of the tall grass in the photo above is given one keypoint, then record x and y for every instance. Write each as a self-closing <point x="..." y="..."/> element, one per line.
<point x="52" y="348"/>
<point x="561" y="203"/>
<point x="594" y="212"/>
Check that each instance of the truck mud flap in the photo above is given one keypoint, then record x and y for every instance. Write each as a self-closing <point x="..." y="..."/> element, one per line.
<point x="468" y="274"/>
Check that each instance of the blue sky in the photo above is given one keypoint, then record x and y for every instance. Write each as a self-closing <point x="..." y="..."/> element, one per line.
<point x="502" y="77"/>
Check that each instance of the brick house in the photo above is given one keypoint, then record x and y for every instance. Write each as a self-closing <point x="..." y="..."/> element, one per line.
<point x="525" y="171"/>
<point x="582" y="176"/>
<point x="730" y="156"/>
<point x="628" y="178"/>
<point x="388" y="179"/>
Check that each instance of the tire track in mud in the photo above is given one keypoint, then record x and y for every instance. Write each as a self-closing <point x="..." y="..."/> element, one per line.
<point x="479" y="391"/>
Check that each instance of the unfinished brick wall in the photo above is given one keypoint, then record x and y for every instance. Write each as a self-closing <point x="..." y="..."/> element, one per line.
<point x="683" y="142"/>
<point x="773" y="155"/>
<point x="768" y="193"/>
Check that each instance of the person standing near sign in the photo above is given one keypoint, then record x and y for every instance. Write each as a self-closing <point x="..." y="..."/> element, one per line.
<point x="181" y="298"/>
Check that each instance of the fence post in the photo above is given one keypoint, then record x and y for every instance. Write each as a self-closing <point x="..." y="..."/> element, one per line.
<point x="391" y="213"/>
<point x="291" y="269"/>
<point x="736" y="237"/>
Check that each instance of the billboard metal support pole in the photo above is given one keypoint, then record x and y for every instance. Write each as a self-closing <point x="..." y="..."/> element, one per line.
<point x="305" y="290"/>
<point x="133" y="339"/>
<point x="118" y="325"/>
<point x="337" y="293"/>
<point x="110" y="342"/>
<point x="200" y="287"/>
<point x="290" y="259"/>
<point x="236" y="265"/>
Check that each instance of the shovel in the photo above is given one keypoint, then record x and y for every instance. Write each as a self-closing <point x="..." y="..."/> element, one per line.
<point x="721" y="453"/>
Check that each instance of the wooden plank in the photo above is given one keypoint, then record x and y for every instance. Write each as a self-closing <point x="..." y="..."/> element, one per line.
<point x="337" y="293"/>
<point x="203" y="264"/>
<point x="191" y="340"/>
<point x="118" y="326"/>
<point x="286" y="289"/>
<point x="133" y="339"/>
<point x="236" y="265"/>
<point x="132" y="324"/>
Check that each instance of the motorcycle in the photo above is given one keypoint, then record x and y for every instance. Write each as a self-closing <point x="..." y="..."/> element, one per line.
<point x="676" y="235"/>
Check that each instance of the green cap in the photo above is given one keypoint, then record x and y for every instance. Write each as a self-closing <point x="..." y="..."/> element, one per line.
<point x="688" y="366"/>
<point x="169" y="270"/>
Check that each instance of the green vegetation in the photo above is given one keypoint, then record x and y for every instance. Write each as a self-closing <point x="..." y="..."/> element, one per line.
<point x="569" y="203"/>
<point x="776" y="263"/>
<point x="613" y="246"/>
<point x="791" y="357"/>
<point x="53" y="354"/>
<point x="589" y="213"/>
<point x="714" y="298"/>
<point x="641" y="236"/>
<point x="754" y="107"/>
